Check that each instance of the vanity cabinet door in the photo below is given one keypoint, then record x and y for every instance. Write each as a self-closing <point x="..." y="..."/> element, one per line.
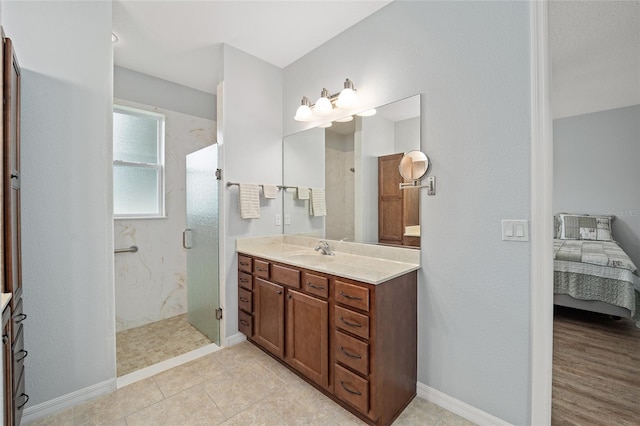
<point x="269" y="316"/>
<point x="308" y="336"/>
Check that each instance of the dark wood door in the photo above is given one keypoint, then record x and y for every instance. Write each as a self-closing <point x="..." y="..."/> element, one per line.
<point x="269" y="316"/>
<point x="390" y="200"/>
<point x="11" y="173"/>
<point x="308" y="336"/>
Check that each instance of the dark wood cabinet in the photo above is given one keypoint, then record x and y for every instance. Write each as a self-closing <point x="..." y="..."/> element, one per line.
<point x="269" y="316"/>
<point x="307" y="344"/>
<point x="397" y="208"/>
<point x="354" y="341"/>
<point x="7" y="368"/>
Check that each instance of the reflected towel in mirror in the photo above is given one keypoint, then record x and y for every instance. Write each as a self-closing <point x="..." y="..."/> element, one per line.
<point x="317" y="204"/>
<point x="302" y="193"/>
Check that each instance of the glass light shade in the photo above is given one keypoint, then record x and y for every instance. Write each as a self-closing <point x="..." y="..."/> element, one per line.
<point x="347" y="99"/>
<point x="303" y="113"/>
<point x="325" y="125"/>
<point x="346" y="119"/>
<point x="367" y="113"/>
<point x="323" y="106"/>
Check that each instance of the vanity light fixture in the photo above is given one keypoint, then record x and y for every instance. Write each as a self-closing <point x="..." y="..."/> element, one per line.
<point x="347" y="98"/>
<point x="304" y="112"/>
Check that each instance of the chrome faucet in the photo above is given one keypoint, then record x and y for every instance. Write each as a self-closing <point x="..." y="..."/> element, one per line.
<point x="324" y="246"/>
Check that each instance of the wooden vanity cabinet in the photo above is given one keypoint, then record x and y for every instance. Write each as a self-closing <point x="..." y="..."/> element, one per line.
<point x="356" y="342"/>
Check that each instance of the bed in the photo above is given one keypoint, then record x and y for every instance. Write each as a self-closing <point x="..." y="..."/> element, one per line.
<point x="594" y="274"/>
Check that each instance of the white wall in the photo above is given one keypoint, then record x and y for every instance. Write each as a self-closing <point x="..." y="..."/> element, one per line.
<point x="407" y="134"/>
<point x="251" y="128"/>
<point x="595" y="170"/>
<point x="470" y="60"/>
<point x="151" y="284"/>
<point x="149" y="90"/>
<point x="64" y="49"/>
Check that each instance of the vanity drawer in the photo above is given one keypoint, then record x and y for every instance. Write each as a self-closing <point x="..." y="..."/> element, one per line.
<point x="352" y="295"/>
<point x="245" y="323"/>
<point x="351" y="388"/>
<point x="287" y="276"/>
<point x="245" y="280"/>
<point x="315" y="284"/>
<point x="245" y="263"/>
<point x="261" y="269"/>
<point x="352" y="352"/>
<point x="245" y="300"/>
<point x="352" y="322"/>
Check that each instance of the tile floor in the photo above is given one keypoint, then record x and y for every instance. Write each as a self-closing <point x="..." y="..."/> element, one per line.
<point x="240" y="385"/>
<point x="150" y="344"/>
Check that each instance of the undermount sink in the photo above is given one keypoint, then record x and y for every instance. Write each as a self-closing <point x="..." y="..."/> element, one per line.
<point x="315" y="258"/>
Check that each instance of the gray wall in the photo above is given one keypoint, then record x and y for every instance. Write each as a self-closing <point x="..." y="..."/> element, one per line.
<point x="250" y="135"/>
<point x="148" y="90"/>
<point x="471" y="62"/>
<point x="64" y="49"/>
<point x="596" y="169"/>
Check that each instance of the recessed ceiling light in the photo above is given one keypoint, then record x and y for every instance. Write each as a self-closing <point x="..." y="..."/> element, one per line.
<point x="114" y="38"/>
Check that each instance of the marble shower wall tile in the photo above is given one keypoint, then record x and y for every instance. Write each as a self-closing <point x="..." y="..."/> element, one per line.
<point x="152" y="284"/>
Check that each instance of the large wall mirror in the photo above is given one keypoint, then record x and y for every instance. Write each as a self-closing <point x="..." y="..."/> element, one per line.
<point x="356" y="164"/>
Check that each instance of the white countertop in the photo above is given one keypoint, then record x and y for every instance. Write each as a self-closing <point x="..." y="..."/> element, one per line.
<point x="368" y="269"/>
<point x="4" y="300"/>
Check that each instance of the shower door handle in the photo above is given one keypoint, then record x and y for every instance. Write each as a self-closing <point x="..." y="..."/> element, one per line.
<point x="186" y="242"/>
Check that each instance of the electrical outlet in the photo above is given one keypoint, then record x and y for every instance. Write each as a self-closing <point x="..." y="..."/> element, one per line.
<point x="278" y="219"/>
<point x="287" y="219"/>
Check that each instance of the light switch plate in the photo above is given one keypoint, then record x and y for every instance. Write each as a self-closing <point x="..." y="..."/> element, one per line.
<point x="515" y="230"/>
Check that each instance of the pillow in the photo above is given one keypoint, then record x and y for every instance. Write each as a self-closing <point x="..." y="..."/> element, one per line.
<point x="585" y="227"/>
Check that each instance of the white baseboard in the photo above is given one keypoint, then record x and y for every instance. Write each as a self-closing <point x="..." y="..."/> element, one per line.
<point x="458" y="407"/>
<point x="57" y="405"/>
<point x="234" y="339"/>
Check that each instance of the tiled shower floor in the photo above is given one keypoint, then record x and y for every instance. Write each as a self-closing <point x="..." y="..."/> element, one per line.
<point x="152" y="343"/>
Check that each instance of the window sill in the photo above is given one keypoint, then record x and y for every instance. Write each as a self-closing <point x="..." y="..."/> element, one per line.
<point x="139" y="217"/>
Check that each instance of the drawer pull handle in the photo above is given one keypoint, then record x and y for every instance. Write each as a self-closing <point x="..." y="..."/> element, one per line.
<point x="5" y="337"/>
<point x="347" y="296"/>
<point x="244" y="264"/>
<point x="19" y="318"/>
<point x="25" y="401"/>
<point x="261" y="269"/>
<point x="349" y="390"/>
<point x="245" y="323"/>
<point x="349" y="355"/>
<point x="317" y="287"/>
<point x="244" y="280"/>
<point x="24" y="356"/>
<point x="244" y="299"/>
<point x="350" y="324"/>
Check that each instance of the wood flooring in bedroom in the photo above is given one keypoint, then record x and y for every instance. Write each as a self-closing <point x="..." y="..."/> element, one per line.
<point x="596" y="369"/>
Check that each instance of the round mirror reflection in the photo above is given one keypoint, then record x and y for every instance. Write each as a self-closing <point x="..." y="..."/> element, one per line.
<point x="414" y="165"/>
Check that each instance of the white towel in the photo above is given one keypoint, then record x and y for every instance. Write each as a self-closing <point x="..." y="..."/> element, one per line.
<point x="302" y="192"/>
<point x="317" y="204"/>
<point x="249" y="201"/>
<point x="270" y="191"/>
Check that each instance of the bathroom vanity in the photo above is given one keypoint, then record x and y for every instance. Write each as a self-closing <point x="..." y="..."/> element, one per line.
<point x="345" y="323"/>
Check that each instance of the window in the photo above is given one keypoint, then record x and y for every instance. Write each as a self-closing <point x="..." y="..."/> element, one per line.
<point x="138" y="163"/>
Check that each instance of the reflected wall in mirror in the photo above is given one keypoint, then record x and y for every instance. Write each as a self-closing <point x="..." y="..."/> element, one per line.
<point x="356" y="164"/>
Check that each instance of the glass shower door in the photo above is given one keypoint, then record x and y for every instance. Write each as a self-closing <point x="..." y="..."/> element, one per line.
<point x="201" y="241"/>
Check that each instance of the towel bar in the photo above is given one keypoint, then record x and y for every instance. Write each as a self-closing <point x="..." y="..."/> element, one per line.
<point x="132" y="249"/>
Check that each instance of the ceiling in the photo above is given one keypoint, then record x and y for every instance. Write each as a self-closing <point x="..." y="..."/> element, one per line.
<point x="179" y="40"/>
<point x="595" y="55"/>
<point x="594" y="45"/>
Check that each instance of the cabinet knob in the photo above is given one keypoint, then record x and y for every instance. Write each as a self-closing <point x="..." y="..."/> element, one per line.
<point x="289" y="296"/>
<point x="279" y="291"/>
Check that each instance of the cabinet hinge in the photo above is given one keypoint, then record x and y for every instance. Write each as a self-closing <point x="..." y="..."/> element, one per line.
<point x="218" y="313"/>
<point x="218" y="174"/>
